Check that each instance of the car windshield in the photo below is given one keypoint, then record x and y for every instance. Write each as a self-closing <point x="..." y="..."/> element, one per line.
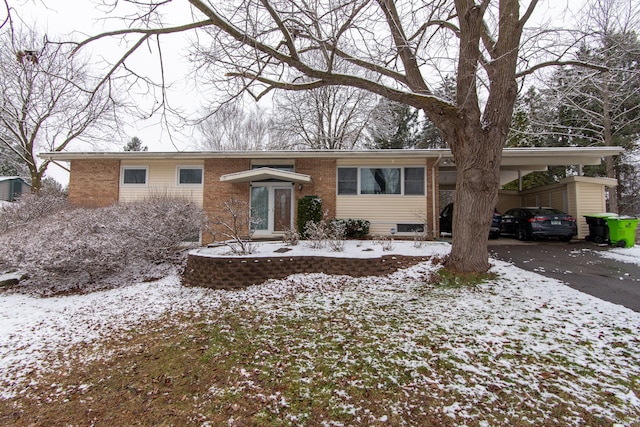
<point x="545" y="211"/>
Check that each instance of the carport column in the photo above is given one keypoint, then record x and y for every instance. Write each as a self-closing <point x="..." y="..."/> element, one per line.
<point x="519" y="180"/>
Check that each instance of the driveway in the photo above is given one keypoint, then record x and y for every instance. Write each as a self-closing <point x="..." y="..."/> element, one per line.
<point x="578" y="265"/>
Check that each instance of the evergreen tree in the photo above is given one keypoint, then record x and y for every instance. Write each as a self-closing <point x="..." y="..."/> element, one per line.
<point x="135" y="144"/>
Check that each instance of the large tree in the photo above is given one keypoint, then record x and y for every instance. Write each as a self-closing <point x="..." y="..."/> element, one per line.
<point x="325" y="118"/>
<point x="394" y="125"/>
<point x="232" y="127"/>
<point x="587" y="107"/>
<point x="603" y="108"/>
<point x="394" y="49"/>
<point x="47" y="101"/>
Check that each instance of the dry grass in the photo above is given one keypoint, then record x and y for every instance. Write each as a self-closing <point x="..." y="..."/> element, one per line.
<point x="254" y="368"/>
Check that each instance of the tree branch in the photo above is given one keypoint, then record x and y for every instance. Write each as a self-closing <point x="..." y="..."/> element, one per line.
<point x="407" y="56"/>
<point x="148" y="32"/>
<point x="561" y="63"/>
<point x="527" y="15"/>
<point x="283" y="29"/>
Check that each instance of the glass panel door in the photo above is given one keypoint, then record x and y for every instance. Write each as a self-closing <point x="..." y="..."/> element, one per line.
<point x="260" y="207"/>
<point x="281" y="209"/>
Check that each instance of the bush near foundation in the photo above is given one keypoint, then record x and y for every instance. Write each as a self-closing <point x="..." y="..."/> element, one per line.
<point x="354" y="228"/>
<point x="71" y="250"/>
<point x="309" y="210"/>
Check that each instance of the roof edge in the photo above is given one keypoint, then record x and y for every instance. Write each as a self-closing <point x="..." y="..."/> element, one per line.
<point x="287" y="154"/>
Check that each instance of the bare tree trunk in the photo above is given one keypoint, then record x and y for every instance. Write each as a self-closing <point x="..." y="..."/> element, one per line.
<point x="36" y="180"/>
<point x="477" y="158"/>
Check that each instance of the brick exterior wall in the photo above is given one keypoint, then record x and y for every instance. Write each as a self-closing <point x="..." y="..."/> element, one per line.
<point x="323" y="173"/>
<point x="94" y="183"/>
<point x="236" y="272"/>
<point x="217" y="192"/>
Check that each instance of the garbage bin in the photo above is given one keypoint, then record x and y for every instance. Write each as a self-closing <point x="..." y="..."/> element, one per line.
<point x="598" y="227"/>
<point x="622" y="231"/>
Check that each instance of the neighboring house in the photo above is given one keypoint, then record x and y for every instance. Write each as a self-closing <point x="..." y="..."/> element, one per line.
<point x="393" y="189"/>
<point x="11" y="187"/>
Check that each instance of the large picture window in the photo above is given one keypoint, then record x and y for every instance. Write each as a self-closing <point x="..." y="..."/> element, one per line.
<point x="409" y="181"/>
<point x="134" y="175"/>
<point x="380" y="181"/>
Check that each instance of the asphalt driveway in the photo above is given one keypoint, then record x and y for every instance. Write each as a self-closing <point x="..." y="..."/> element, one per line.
<point x="578" y="265"/>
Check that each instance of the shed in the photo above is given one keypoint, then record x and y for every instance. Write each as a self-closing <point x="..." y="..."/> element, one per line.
<point x="11" y="187"/>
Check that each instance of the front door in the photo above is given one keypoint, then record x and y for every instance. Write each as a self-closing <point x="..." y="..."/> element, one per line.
<point x="281" y="209"/>
<point x="272" y="208"/>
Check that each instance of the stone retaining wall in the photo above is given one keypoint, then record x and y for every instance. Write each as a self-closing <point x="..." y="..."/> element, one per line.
<point x="236" y="272"/>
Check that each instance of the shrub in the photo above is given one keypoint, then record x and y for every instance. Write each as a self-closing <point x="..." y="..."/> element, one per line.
<point x="30" y="207"/>
<point x="353" y="228"/>
<point x="79" y="250"/>
<point x="309" y="210"/>
<point x="234" y="224"/>
<point x="290" y="237"/>
<point x="337" y="235"/>
<point x="386" y="242"/>
<point x="317" y="233"/>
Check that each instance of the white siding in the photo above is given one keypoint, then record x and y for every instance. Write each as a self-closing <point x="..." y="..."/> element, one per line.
<point x="383" y="211"/>
<point x="162" y="180"/>
<point x="591" y="201"/>
<point x="508" y="200"/>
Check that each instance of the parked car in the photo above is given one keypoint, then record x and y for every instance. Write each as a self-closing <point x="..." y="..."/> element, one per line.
<point x="446" y="221"/>
<point x="529" y="223"/>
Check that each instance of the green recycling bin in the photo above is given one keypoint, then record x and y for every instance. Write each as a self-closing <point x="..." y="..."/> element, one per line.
<point x="622" y="231"/>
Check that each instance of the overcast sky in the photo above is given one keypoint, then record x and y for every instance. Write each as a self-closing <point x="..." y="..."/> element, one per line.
<point x="76" y="18"/>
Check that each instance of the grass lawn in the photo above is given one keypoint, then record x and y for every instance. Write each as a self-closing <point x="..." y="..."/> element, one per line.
<point x="317" y="350"/>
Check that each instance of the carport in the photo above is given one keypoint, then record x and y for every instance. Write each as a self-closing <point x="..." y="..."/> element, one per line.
<point x="576" y="195"/>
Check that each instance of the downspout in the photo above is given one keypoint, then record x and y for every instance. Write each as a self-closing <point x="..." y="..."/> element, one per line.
<point x="433" y="195"/>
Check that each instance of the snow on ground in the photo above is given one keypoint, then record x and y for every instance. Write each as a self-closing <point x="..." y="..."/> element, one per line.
<point x="351" y="249"/>
<point x="628" y="255"/>
<point x="538" y="315"/>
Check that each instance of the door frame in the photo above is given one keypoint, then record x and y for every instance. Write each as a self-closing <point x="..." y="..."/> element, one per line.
<point x="271" y="187"/>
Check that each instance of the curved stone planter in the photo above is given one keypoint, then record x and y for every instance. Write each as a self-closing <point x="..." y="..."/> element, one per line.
<point x="238" y="272"/>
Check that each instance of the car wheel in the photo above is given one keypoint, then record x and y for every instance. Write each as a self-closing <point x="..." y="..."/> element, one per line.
<point x="521" y="234"/>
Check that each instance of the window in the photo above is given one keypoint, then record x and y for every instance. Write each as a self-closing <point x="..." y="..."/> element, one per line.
<point x="380" y="181"/>
<point x="190" y="175"/>
<point x="134" y="175"/>
<point x="408" y="181"/>
<point x="410" y="228"/>
<point x="287" y="168"/>
<point x="347" y="181"/>
<point x="414" y="181"/>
